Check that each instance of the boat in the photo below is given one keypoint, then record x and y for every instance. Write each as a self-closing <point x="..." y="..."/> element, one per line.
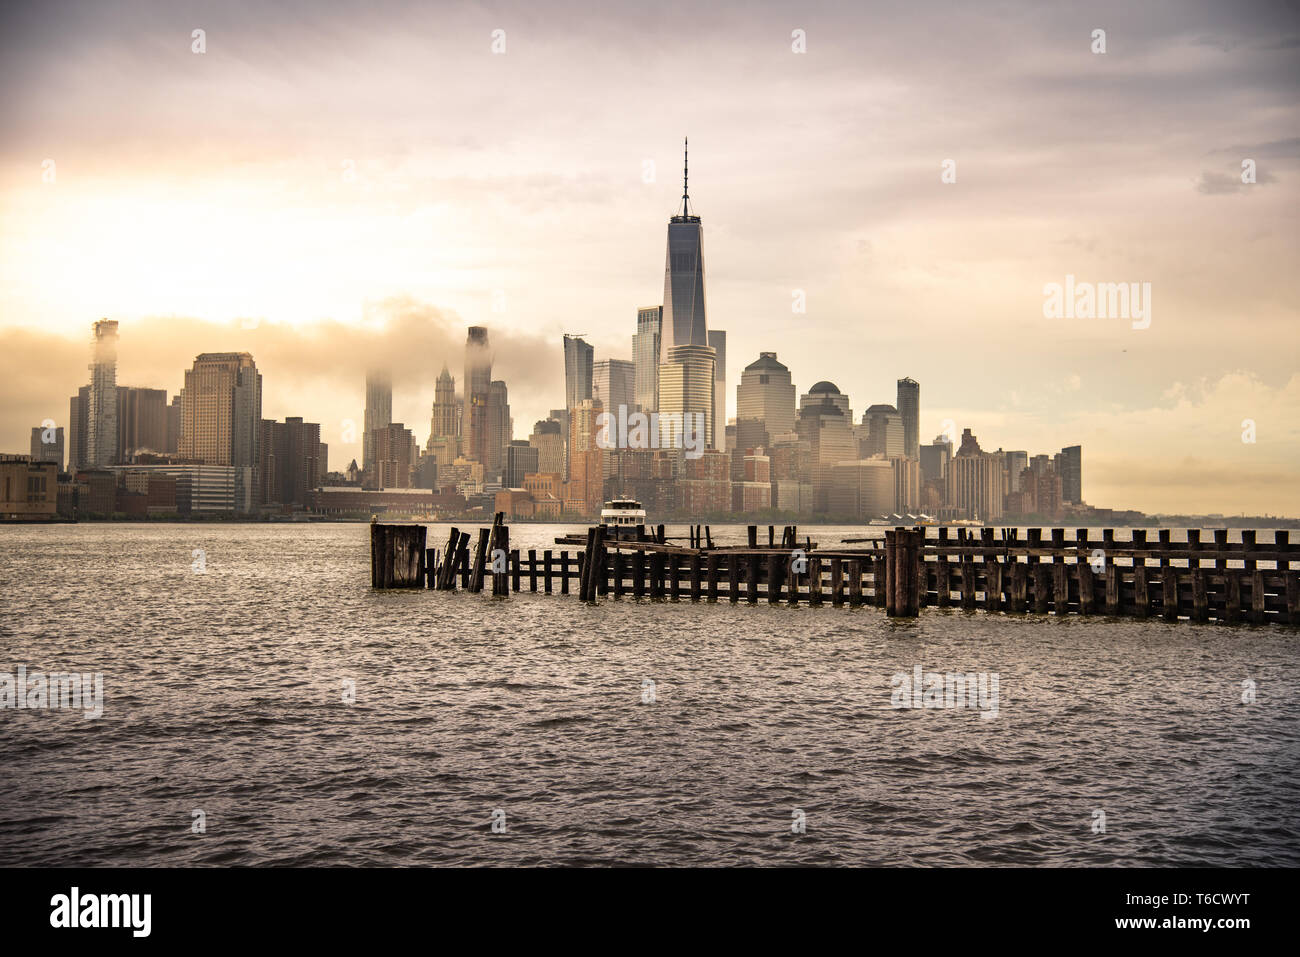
<point x="621" y="517"/>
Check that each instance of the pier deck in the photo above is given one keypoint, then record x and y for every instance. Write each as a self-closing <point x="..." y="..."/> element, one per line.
<point x="996" y="570"/>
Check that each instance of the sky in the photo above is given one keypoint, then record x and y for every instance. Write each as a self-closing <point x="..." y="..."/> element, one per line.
<point x="330" y="185"/>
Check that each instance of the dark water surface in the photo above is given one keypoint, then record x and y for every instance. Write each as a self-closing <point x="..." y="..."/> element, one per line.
<point x="224" y="693"/>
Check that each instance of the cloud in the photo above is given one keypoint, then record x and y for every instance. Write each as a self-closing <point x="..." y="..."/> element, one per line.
<point x="316" y="370"/>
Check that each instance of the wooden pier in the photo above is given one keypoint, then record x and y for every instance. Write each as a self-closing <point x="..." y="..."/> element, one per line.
<point x="996" y="570"/>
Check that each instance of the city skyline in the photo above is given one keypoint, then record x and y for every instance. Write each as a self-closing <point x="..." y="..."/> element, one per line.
<point x="942" y="282"/>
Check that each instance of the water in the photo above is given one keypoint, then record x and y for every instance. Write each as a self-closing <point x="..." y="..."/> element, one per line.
<point x="223" y="693"/>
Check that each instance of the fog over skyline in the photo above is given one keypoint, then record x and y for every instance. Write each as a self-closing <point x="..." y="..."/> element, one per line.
<point x="331" y="185"/>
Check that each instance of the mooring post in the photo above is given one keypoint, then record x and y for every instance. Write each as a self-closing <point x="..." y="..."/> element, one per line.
<point x="815" y="580"/>
<point x="711" y="575"/>
<point x="774" y="567"/>
<point x="891" y="572"/>
<point x="564" y="573"/>
<point x="752" y="532"/>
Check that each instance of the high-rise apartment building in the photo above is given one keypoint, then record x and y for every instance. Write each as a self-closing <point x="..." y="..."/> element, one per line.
<point x="101" y="410"/>
<point x="909" y="407"/>
<point x="646" y="356"/>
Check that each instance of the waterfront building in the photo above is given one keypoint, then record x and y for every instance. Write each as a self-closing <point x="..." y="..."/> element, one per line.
<point x="861" y="489"/>
<point x="29" y="489"/>
<point x="907" y="484"/>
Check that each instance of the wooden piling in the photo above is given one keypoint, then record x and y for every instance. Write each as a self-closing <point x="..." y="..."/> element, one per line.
<point x="855" y="582"/>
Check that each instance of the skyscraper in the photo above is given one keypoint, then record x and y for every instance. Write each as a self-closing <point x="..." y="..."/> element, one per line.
<point x="646" y="355"/>
<point x="718" y="340"/>
<point x="1071" y="472"/>
<point x="378" y="413"/>
<point x="477" y="385"/>
<point x="141" y="421"/>
<point x="101" y="411"/>
<point x="684" y="315"/>
<point x="885" y="432"/>
<point x="613" y="382"/>
<point x="221" y="418"/>
<point x="444" y="423"/>
<point x="578" y="357"/>
<point x="499" y="427"/>
<point x="687" y="373"/>
<point x="764" y="402"/>
<point x="78" y="428"/>
<point x="909" y="407"/>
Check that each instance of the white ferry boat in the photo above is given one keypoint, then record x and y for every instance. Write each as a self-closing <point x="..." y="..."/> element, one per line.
<point x="622" y="515"/>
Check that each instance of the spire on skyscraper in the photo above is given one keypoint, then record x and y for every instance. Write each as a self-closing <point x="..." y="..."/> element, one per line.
<point x="684" y="216"/>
